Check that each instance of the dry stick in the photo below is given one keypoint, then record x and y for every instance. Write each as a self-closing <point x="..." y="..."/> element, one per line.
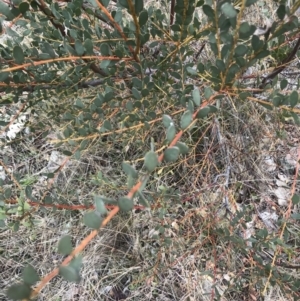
<point x="69" y="58"/>
<point x="112" y="213"/>
<point x="116" y="25"/>
<point x="137" y="27"/>
<point x="282" y="65"/>
<point x="172" y="13"/>
<point x="286" y="216"/>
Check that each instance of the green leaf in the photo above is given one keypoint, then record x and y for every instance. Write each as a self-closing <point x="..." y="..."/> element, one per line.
<point x="136" y="94"/>
<point x="48" y="49"/>
<point x="92" y="219"/>
<point x="281" y="11"/>
<point x="104" y="49"/>
<point x="130" y="182"/>
<point x="7" y="193"/>
<point x="295" y="216"/>
<point x="69" y="273"/>
<point x="143" y="18"/>
<point x="77" y="155"/>
<point x="16" y="226"/>
<point x="201" y="68"/>
<point x="18" y="291"/>
<point x="129" y="170"/>
<point x="151" y="161"/>
<point x="250" y="2"/>
<point x="184" y="149"/>
<point x="99" y="204"/>
<point x="171" y="132"/>
<point x="76" y="263"/>
<point x="228" y="10"/>
<point x="191" y="106"/>
<point x="79" y="47"/>
<point x="186" y="119"/>
<point x="283" y="84"/>
<point x="212" y="109"/>
<point x="18" y="55"/>
<point x="295" y="117"/>
<point x="3" y="77"/>
<point x="28" y="192"/>
<point x="208" y="11"/>
<point x="107" y="125"/>
<point x="48" y="200"/>
<point x="139" y="6"/>
<point x="125" y="203"/>
<point x="4" y="9"/>
<point x="208" y="93"/>
<point x="196" y="97"/>
<point x="191" y="71"/>
<point x="88" y="45"/>
<point x="171" y="154"/>
<point x="29" y="275"/>
<point x="167" y="121"/>
<point x="241" y="50"/>
<point x="23" y="7"/>
<point x="267" y="106"/>
<point x="67" y="153"/>
<point x="256" y="43"/>
<point x="143" y="200"/>
<point x="220" y="64"/>
<point x="295" y="199"/>
<point x="203" y="112"/>
<point x="276" y="101"/>
<point x="105" y="2"/>
<point x="294" y="98"/>
<point x="123" y="3"/>
<point x="262" y="54"/>
<point x="65" y="245"/>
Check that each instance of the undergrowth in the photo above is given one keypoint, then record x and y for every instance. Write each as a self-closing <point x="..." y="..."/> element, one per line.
<point x="170" y="129"/>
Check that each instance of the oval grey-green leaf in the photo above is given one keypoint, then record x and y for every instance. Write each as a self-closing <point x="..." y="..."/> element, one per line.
<point x="151" y="161"/>
<point x="69" y="273"/>
<point x="125" y="203"/>
<point x="186" y="119"/>
<point x="18" y="55"/>
<point x="29" y="275"/>
<point x="184" y="149"/>
<point x="167" y="120"/>
<point x="171" y="132"/>
<point x="129" y="170"/>
<point x="99" y="204"/>
<point x="196" y="97"/>
<point x="65" y="245"/>
<point x="19" y="291"/>
<point x="92" y="219"/>
<point x="203" y="113"/>
<point x="171" y="154"/>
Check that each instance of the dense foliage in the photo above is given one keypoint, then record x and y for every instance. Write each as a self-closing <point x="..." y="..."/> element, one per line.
<point x="92" y="73"/>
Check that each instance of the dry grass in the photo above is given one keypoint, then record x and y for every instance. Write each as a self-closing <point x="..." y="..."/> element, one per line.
<point x="179" y="250"/>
